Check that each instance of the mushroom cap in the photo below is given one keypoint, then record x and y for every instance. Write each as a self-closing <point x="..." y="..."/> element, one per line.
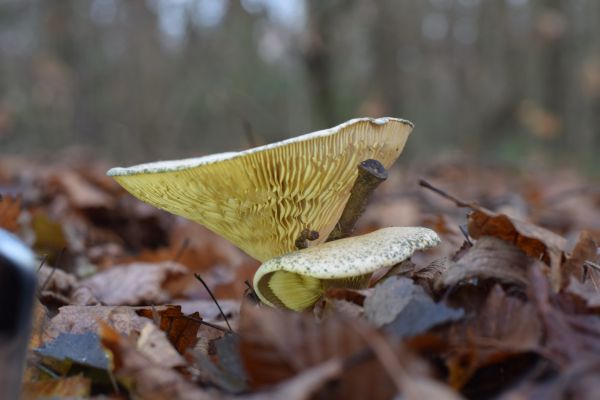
<point x="351" y="257"/>
<point x="262" y="198"/>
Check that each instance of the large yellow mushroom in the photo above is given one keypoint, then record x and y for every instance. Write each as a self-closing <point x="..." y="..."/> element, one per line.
<point x="263" y="198"/>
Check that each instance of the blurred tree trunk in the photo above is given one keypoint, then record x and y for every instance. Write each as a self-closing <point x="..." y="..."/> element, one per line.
<point x="317" y="58"/>
<point x="387" y="37"/>
<point x="554" y="57"/>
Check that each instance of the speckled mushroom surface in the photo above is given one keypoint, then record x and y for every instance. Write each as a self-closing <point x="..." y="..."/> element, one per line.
<point x="261" y="199"/>
<point x="350" y="258"/>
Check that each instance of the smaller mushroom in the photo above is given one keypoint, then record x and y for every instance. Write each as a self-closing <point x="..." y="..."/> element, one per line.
<point x="297" y="280"/>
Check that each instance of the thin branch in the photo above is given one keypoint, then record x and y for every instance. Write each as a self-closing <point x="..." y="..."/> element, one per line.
<point x="182" y="249"/>
<point x="455" y="200"/>
<point x="370" y="175"/>
<point x="465" y="232"/>
<point x="58" y="259"/>
<point x="44" y="259"/>
<point x="250" y="293"/>
<point x="203" y="322"/>
<point x="214" y="299"/>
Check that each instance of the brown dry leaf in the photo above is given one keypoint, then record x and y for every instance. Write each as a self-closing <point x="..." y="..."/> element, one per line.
<point x="181" y="330"/>
<point x="569" y="337"/>
<point x="276" y="346"/>
<point x="74" y="387"/>
<point x="61" y="288"/>
<point x="146" y="379"/>
<point x="587" y="291"/>
<point x="533" y="240"/>
<point x="504" y="327"/>
<point x="154" y="344"/>
<point x="82" y="319"/>
<point x="586" y="249"/>
<point x="135" y="284"/>
<point x="490" y="258"/>
<point x="10" y="209"/>
<point x="580" y="381"/>
<point x="39" y="323"/>
<point x="427" y="275"/>
<point x="81" y="193"/>
<point x="304" y="385"/>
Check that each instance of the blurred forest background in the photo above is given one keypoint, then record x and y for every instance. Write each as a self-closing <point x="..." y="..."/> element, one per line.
<point x="507" y="80"/>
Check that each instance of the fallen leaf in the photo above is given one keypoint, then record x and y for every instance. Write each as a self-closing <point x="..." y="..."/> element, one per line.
<point x="276" y="346"/>
<point x="181" y="330"/>
<point x="304" y="385"/>
<point x="579" y="381"/>
<point x="224" y="369"/>
<point x="74" y="387"/>
<point x="82" y="319"/>
<point x="585" y="291"/>
<point x="490" y="258"/>
<point x="569" y="337"/>
<point x="533" y="240"/>
<point x="144" y="378"/>
<point x="504" y="327"/>
<point x="153" y="343"/>
<point x="586" y="249"/>
<point x="39" y="323"/>
<point x="405" y="309"/>
<point x="81" y="348"/>
<point x="138" y="283"/>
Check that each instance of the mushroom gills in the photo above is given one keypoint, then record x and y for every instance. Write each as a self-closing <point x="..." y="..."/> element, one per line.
<point x="298" y="292"/>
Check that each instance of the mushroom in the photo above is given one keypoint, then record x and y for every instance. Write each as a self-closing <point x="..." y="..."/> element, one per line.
<point x="262" y="199"/>
<point x="297" y="280"/>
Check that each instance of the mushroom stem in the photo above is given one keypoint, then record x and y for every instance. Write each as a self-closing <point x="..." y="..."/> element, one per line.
<point x="370" y="174"/>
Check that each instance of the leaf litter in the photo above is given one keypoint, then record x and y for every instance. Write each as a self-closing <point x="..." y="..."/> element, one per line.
<point x="507" y="307"/>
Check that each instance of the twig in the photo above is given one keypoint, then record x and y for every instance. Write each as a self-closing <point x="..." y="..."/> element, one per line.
<point x="370" y="175"/>
<point x="113" y="380"/>
<point x="214" y="299"/>
<point x="203" y="322"/>
<point x="465" y="232"/>
<point x="47" y="370"/>
<point x="455" y="200"/>
<point x="591" y="264"/>
<point x="44" y="259"/>
<point x="182" y="249"/>
<point x="58" y="259"/>
<point x="251" y="293"/>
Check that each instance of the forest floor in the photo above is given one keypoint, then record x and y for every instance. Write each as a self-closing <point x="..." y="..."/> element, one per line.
<point x="508" y="306"/>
